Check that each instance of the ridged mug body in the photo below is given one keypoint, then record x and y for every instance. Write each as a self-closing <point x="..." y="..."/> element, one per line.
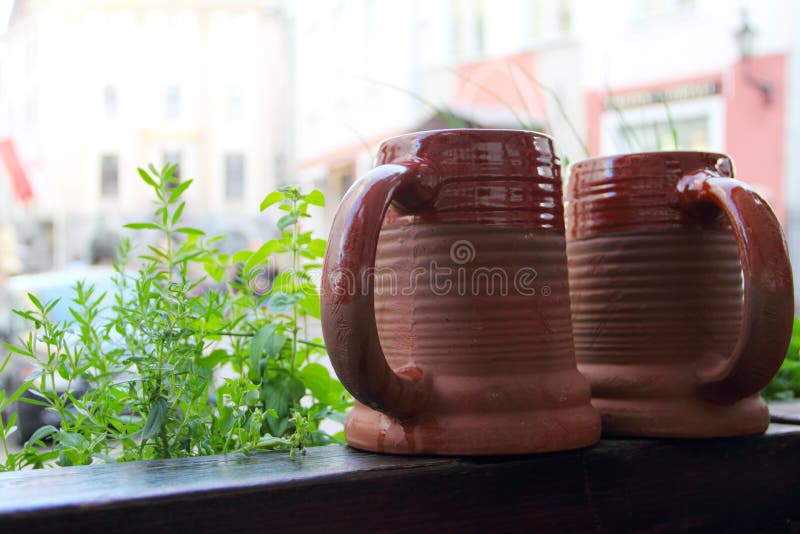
<point x="473" y="290"/>
<point x="656" y="296"/>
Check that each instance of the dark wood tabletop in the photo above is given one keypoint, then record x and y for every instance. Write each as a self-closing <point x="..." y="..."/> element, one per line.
<point x="747" y="484"/>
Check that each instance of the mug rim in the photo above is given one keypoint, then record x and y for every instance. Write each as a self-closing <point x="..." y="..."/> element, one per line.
<point x="649" y="154"/>
<point x="473" y="131"/>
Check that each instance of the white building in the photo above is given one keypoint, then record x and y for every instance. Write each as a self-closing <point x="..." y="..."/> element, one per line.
<point x="92" y="89"/>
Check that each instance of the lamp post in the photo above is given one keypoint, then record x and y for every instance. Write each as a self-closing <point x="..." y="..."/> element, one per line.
<point x="745" y="39"/>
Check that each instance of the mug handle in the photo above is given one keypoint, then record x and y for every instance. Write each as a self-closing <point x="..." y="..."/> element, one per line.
<point x="768" y="309"/>
<point x="347" y="300"/>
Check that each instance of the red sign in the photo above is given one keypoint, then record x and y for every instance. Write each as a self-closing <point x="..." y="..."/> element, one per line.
<point x="19" y="180"/>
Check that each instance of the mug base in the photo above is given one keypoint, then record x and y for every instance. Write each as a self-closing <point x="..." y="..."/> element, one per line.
<point x="534" y="431"/>
<point x="682" y="418"/>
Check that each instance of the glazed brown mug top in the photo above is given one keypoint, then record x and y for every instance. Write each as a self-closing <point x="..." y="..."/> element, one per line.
<point x="488" y="368"/>
<point x="642" y="192"/>
<point x="673" y="262"/>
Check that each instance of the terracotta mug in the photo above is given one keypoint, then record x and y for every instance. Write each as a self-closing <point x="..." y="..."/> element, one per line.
<point x="682" y="297"/>
<point x="445" y="304"/>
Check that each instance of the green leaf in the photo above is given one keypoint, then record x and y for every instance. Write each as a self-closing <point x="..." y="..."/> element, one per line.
<point x="10" y="425"/>
<point x="310" y="302"/>
<point x="282" y="302"/>
<point x="286" y="220"/>
<point x="35" y="301"/>
<point x="214" y="359"/>
<point x="178" y="191"/>
<point x="168" y="171"/>
<point x="279" y="397"/>
<point x="146" y="177"/>
<point x="15" y="349"/>
<point x="317" y="247"/>
<point x="317" y="379"/>
<point x="260" y="256"/>
<point x="316" y="198"/>
<point x="41" y="433"/>
<point x="252" y="397"/>
<point x="268" y="440"/>
<point x="241" y="256"/>
<point x="274" y="345"/>
<point x="214" y="271"/>
<point x="142" y="226"/>
<point x="257" y="344"/>
<point x="155" y="419"/>
<point x="283" y="282"/>
<point x="71" y="440"/>
<point x="270" y="199"/>
<point x="178" y="212"/>
<point x="280" y="393"/>
<point x="266" y="341"/>
<point x="189" y="231"/>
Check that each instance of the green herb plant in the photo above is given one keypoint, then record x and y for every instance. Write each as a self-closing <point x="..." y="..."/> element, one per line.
<point x="197" y="352"/>
<point x="786" y="384"/>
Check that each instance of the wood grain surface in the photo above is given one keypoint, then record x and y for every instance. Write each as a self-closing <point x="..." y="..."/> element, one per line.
<point x="743" y="484"/>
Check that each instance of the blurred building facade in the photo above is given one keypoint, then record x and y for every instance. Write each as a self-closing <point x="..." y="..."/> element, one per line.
<point x="92" y="89"/>
<point x="601" y="77"/>
<point x="247" y="94"/>
<point x="411" y="62"/>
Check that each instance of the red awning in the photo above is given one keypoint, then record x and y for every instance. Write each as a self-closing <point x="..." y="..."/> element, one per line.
<point x="19" y="180"/>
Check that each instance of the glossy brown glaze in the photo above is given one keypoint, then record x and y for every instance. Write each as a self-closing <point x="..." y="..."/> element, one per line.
<point x="681" y="294"/>
<point x="445" y="300"/>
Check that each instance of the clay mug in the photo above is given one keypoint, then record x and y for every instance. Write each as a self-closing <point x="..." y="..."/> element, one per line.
<point x="445" y="304"/>
<point x="682" y="293"/>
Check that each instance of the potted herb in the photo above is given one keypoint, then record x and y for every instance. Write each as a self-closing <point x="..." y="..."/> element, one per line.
<point x="190" y="354"/>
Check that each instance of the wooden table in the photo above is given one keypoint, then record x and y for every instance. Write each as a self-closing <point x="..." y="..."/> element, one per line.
<point x="722" y="485"/>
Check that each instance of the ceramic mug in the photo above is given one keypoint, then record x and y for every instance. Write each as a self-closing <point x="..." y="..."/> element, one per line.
<point x="445" y="301"/>
<point x="681" y="291"/>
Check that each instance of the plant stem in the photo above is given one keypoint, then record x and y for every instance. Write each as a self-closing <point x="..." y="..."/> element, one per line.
<point x="672" y="128"/>
<point x="295" y="245"/>
<point x="522" y="124"/>
<point x="3" y="436"/>
<point x="627" y="129"/>
<point x="559" y="105"/>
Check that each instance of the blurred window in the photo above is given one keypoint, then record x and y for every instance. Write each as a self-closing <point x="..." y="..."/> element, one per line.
<point x="564" y="17"/>
<point x="173" y="101"/>
<point x="456" y="22"/>
<point x="480" y="24"/>
<point x="692" y="134"/>
<point x="280" y="167"/>
<point x="698" y="124"/>
<point x="548" y="19"/>
<point x="340" y="178"/>
<point x="234" y="101"/>
<point x="110" y="101"/>
<point x="234" y="176"/>
<point x="652" y="9"/>
<point x="109" y="175"/>
<point x="467" y="28"/>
